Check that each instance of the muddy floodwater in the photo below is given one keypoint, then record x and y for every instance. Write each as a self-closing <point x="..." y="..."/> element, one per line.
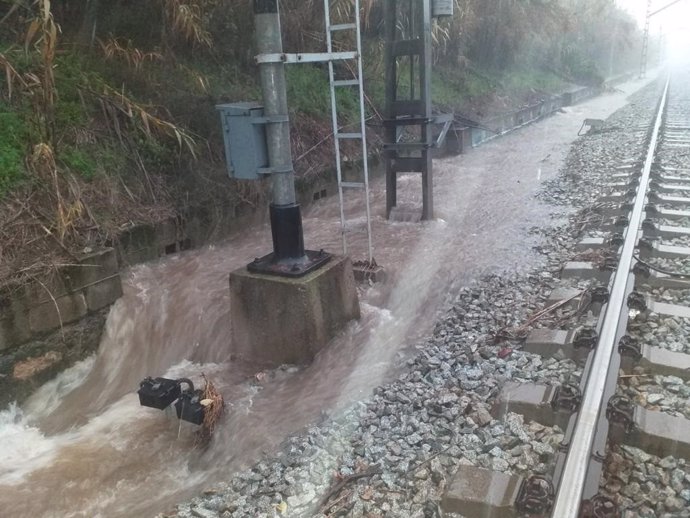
<point x="82" y="445"/>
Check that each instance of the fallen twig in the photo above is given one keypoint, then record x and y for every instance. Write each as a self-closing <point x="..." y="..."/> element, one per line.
<point x="504" y="332"/>
<point x="374" y="470"/>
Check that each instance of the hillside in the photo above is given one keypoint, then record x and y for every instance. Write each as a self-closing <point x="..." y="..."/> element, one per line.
<point x="107" y="109"/>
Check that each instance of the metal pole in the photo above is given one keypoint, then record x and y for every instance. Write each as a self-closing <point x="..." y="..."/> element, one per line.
<point x="391" y="81"/>
<point x="286" y="220"/>
<point x="645" y="41"/>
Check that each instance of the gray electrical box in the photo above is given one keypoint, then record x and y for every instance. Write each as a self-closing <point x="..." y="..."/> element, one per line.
<point x="244" y="134"/>
<point x="442" y="8"/>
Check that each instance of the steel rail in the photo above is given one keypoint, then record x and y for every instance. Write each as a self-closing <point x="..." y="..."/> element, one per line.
<point x="573" y="479"/>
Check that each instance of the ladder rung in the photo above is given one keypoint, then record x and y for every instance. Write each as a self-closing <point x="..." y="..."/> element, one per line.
<point x="348" y="135"/>
<point x="346" y="82"/>
<point x="353" y="185"/>
<point x="342" y="27"/>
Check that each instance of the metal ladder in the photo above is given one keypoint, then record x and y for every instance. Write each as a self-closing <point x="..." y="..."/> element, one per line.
<point x="338" y="135"/>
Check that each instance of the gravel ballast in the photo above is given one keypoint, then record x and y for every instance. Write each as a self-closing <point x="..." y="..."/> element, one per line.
<point x="394" y="453"/>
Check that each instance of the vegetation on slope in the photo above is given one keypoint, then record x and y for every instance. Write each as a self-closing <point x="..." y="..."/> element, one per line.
<point x="107" y="109"/>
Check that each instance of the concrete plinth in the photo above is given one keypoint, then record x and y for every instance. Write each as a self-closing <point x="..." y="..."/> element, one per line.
<point x="278" y="320"/>
<point x="531" y="400"/>
<point x="477" y="493"/>
<point x="659" y="361"/>
<point x="584" y="270"/>
<point x="658" y="433"/>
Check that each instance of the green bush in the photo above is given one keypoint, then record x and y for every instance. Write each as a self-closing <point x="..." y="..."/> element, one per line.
<point x="79" y="162"/>
<point x="12" y="141"/>
<point x="308" y="93"/>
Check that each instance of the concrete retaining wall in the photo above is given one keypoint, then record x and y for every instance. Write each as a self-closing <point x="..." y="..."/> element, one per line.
<point x="64" y="296"/>
<point x="462" y="138"/>
<point x="56" y="320"/>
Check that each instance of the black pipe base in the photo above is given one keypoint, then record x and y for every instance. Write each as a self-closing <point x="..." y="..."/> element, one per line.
<point x="286" y="231"/>
<point x="268" y="264"/>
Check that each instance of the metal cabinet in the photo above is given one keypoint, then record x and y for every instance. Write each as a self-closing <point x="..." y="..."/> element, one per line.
<point x="244" y="134"/>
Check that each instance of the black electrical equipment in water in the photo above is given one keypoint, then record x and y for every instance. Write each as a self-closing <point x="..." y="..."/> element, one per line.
<point x="160" y="393"/>
<point x="189" y="407"/>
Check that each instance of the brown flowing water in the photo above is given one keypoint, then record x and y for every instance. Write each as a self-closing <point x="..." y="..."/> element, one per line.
<point x="82" y="446"/>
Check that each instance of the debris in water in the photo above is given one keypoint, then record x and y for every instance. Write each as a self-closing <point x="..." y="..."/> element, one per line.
<point x="214" y="406"/>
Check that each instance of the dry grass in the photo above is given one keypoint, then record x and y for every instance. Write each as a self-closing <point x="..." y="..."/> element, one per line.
<point x="30" y="245"/>
<point x="127" y="52"/>
<point x="186" y="19"/>
<point x="116" y="104"/>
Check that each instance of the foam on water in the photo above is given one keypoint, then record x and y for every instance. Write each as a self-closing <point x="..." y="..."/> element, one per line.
<point x="24" y="447"/>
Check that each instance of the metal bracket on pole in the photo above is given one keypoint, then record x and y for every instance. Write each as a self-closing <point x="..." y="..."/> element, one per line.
<point x="317" y="57"/>
<point x="276" y="169"/>
<point x="270" y="119"/>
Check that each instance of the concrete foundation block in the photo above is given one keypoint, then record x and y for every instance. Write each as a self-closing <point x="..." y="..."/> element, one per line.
<point x="14" y="320"/>
<point x="659" y="433"/>
<point x="52" y="284"/>
<point x="672" y="310"/>
<point x="138" y="245"/>
<point x="591" y="243"/>
<point x="661" y="361"/>
<point x="661" y="280"/>
<point x="278" y="320"/>
<point x="584" y="270"/>
<point x="571" y="295"/>
<point x="103" y="293"/>
<point x="478" y="493"/>
<point x="13" y="333"/>
<point x="548" y="342"/>
<point x="51" y="314"/>
<point x="167" y="232"/>
<point x="91" y="269"/>
<point x="532" y="401"/>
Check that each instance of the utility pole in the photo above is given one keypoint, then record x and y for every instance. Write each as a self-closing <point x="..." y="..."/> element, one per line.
<point x="289" y="256"/>
<point x="287" y="305"/>
<point x="645" y="41"/>
<point x="645" y="37"/>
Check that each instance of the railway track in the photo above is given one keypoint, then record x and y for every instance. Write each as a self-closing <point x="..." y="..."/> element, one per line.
<point x="637" y="295"/>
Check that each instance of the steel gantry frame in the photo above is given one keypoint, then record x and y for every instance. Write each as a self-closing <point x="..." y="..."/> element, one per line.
<point x="408" y="34"/>
<point x="408" y="51"/>
<point x="645" y="35"/>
